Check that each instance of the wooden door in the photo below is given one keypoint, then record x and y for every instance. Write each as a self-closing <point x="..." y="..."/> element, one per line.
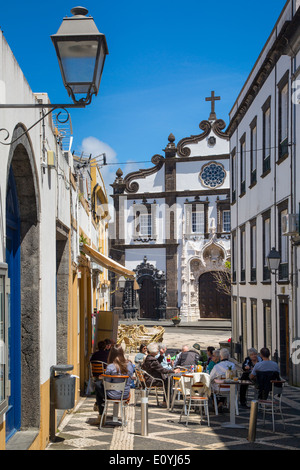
<point x="212" y="302"/>
<point x="284" y="339"/>
<point x="147" y="299"/>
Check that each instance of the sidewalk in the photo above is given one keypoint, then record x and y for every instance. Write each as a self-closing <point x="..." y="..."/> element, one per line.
<point x="79" y="430"/>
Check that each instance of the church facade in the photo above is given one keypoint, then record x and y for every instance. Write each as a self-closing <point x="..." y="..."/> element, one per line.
<point x="172" y="227"/>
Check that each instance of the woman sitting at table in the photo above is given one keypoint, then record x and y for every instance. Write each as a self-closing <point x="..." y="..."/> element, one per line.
<point x="141" y="355"/>
<point x="153" y="367"/>
<point x="117" y="365"/>
<point x="218" y="371"/>
<point x="247" y="366"/>
<point x="215" y="359"/>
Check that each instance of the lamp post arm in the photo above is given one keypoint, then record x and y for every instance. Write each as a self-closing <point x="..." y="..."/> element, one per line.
<point x="52" y="107"/>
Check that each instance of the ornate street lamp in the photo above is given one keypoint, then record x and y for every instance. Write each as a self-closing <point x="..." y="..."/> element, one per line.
<point x="273" y="260"/>
<point x="122" y="282"/>
<point x="81" y="50"/>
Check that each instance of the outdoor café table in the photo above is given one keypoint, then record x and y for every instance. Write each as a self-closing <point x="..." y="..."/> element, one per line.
<point x="233" y="384"/>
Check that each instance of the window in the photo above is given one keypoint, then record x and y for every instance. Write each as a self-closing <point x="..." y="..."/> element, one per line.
<point x="243" y="254"/>
<point x="198" y="221"/>
<point x="145" y="225"/>
<point x="267" y="136"/>
<point x="283" y="118"/>
<point x="254" y="331"/>
<point x="226" y="221"/>
<point x="233" y="177"/>
<point x="244" y="326"/>
<point x="266" y="246"/>
<point x="235" y="333"/>
<point x="253" y="152"/>
<point x="253" y="250"/>
<point x="283" y="248"/>
<point x="267" y="324"/>
<point x="243" y="165"/>
<point x="195" y="218"/>
<point x="233" y="244"/>
<point x="145" y="221"/>
<point x="4" y="300"/>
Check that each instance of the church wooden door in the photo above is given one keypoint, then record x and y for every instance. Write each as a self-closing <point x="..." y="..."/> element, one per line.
<point x="147" y="295"/>
<point x="212" y="302"/>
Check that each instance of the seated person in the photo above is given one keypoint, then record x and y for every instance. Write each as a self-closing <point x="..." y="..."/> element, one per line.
<point x="209" y="350"/>
<point x="247" y="366"/>
<point x="117" y="365"/>
<point x="215" y="359"/>
<point x="219" y="370"/>
<point x="155" y="369"/>
<point x="186" y="357"/>
<point x="161" y="356"/>
<point x="140" y="356"/>
<point x="109" y="343"/>
<point x="272" y="371"/>
<point x="101" y="354"/>
<point x="224" y="364"/>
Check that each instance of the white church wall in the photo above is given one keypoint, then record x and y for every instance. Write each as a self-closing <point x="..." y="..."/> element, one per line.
<point x="187" y="174"/>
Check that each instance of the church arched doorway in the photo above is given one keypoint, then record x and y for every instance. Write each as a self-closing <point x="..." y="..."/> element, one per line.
<point x="213" y="301"/>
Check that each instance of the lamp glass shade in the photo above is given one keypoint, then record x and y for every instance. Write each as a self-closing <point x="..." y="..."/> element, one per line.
<point x="273" y="260"/>
<point x="81" y="52"/>
<point x="122" y="282"/>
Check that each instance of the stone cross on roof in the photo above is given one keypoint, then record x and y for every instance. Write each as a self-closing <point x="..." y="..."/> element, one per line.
<point x="213" y="98"/>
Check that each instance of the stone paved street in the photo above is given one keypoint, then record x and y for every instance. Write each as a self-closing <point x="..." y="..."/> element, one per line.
<point x="79" y="430"/>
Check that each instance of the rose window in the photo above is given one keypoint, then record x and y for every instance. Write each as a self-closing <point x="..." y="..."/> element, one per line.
<point x="213" y="175"/>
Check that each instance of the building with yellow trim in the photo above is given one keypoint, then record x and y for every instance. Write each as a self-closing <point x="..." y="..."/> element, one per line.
<point x="50" y="290"/>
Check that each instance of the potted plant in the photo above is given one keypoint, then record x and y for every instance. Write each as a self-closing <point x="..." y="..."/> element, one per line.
<point x="176" y="320"/>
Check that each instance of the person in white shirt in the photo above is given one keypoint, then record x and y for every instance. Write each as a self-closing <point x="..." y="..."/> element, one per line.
<point x="219" y="370"/>
<point x="224" y="364"/>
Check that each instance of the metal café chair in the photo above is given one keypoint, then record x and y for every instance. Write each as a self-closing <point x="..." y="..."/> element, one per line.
<point x="191" y="398"/>
<point x="97" y="368"/>
<point x="115" y="383"/>
<point x="145" y="381"/>
<point x="270" y="395"/>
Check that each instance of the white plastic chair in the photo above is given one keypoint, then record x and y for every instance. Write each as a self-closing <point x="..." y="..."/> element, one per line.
<point x="192" y="399"/>
<point x="116" y="386"/>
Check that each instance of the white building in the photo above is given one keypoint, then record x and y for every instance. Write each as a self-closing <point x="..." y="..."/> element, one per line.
<point x="172" y="226"/>
<point x="46" y="306"/>
<point x="264" y="193"/>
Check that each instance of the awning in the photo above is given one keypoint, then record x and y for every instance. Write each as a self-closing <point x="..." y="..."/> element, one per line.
<point x="107" y="263"/>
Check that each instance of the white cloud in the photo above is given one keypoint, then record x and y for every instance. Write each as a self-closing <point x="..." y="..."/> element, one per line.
<point x="94" y="146"/>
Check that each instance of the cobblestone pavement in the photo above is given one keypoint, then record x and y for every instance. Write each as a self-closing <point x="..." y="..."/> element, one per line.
<point x="79" y="430"/>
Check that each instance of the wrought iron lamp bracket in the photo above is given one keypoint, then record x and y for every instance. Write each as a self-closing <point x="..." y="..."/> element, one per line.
<point x="52" y="107"/>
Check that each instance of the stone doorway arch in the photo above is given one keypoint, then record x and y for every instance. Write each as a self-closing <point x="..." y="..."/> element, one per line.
<point x="213" y="303"/>
<point x="21" y="163"/>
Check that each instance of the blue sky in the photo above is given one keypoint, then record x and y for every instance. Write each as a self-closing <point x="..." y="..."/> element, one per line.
<point x="164" y="58"/>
